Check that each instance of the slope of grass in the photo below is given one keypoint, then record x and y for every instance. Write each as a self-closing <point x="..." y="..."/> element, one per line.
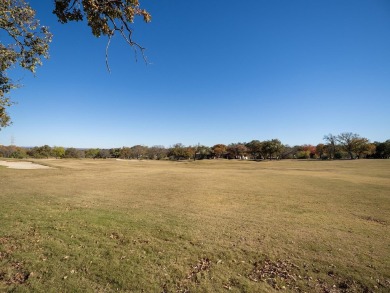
<point x="205" y="226"/>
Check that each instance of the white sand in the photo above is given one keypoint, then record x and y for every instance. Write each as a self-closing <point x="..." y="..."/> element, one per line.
<point x="23" y="165"/>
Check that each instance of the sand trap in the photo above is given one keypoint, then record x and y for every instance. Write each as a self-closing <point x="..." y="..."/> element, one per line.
<point x="23" y="165"/>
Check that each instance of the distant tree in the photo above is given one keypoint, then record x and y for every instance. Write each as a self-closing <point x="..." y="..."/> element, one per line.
<point x="237" y="150"/>
<point x="371" y="150"/>
<point x="191" y="151"/>
<point x="203" y="152"/>
<point x="310" y="150"/>
<point x="92" y="153"/>
<point x="255" y="149"/>
<point x="219" y="150"/>
<point x="179" y="151"/>
<point x="58" y="152"/>
<point x="303" y="154"/>
<point x="12" y="152"/>
<point x="332" y="141"/>
<point x="272" y="148"/>
<point x="157" y="152"/>
<point x="74" y="153"/>
<point x="19" y="153"/>
<point x="45" y="151"/>
<point x="103" y="154"/>
<point x="40" y="152"/>
<point x="5" y="151"/>
<point x="138" y="151"/>
<point x="31" y="152"/>
<point x="362" y="146"/>
<point x="382" y="149"/>
<point x="289" y="152"/>
<point x="320" y="150"/>
<point x="115" y="152"/>
<point x="125" y="153"/>
<point x="349" y="142"/>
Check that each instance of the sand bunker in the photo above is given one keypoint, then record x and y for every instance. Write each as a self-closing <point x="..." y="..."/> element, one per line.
<point x="23" y="165"/>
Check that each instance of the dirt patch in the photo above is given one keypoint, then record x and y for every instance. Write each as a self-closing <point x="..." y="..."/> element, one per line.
<point x="23" y="165"/>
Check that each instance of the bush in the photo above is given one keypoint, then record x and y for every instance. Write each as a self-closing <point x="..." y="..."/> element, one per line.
<point x="303" y="155"/>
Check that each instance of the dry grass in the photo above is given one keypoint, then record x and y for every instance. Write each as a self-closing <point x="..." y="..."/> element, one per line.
<point x="206" y="226"/>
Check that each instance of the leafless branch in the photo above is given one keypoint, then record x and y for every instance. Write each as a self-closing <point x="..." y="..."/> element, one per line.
<point x="108" y="45"/>
<point x="128" y="39"/>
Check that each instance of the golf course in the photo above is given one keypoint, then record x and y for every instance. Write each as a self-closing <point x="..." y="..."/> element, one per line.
<point x="205" y="226"/>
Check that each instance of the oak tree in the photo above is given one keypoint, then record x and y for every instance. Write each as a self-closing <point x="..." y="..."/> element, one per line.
<point x="348" y="142"/>
<point x="25" y="44"/>
<point x="219" y="150"/>
<point x="255" y="148"/>
<point x="157" y="152"/>
<point x="272" y="148"/>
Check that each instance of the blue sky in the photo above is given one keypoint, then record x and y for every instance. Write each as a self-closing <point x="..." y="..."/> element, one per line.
<point x="221" y="71"/>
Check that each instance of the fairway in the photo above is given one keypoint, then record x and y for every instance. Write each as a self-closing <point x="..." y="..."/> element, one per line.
<point x="203" y="226"/>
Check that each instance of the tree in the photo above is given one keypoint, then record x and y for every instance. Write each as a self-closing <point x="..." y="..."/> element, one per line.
<point x="219" y="150"/>
<point x="40" y="152"/>
<point x="179" y="151"/>
<point x="191" y="152"/>
<point x="125" y="153"/>
<point x="74" y="153"/>
<point x="303" y="154"/>
<point x="104" y="17"/>
<point x="255" y="149"/>
<point x="332" y="140"/>
<point x="382" y="149"/>
<point x="202" y="152"/>
<point x="272" y="148"/>
<point x="138" y="151"/>
<point x="29" y="41"/>
<point x="311" y="149"/>
<point x="320" y="150"/>
<point x="362" y="146"/>
<point x="7" y="151"/>
<point x="157" y="152"/>
<point x="19" y="153"/>
<point x="58" y="152"/>
<point x="289" y="152"/>
<point x="237" y="150"/>
<point x="348" y="142"/>
<point x="115" y="152"/>
<point x="92" y="153"/>
<point x="103" y="154"/>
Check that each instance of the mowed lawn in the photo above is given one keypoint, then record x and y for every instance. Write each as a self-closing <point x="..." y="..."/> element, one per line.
<point x="204" y="226"/>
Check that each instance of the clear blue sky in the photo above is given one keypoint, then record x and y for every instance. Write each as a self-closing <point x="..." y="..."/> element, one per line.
<point x="222" y="71"/>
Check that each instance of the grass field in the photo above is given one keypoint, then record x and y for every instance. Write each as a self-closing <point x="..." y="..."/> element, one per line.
<point x="205" y="226"/>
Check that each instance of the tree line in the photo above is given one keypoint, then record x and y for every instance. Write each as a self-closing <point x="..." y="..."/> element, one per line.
<point x="346" y="145"/>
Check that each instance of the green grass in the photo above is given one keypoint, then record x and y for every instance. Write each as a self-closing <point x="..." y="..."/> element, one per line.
<point x="205" y="226"/>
